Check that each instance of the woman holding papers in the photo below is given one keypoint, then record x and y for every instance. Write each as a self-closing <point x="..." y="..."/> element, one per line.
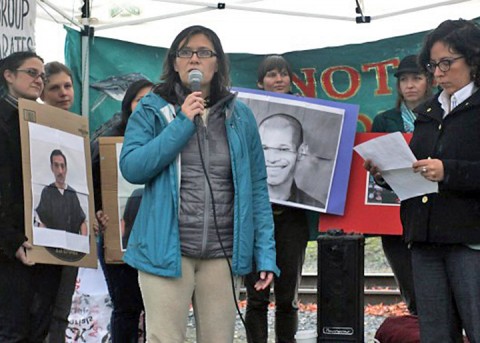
<point x="413" y="87"/>
<point x="443" y="229"/>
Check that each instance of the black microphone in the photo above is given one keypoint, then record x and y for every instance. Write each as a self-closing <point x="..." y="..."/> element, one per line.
<point x="195" y="78"/>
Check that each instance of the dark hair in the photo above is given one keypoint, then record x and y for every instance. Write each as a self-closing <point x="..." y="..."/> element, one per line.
<point x="461" y="36"/>
<point x="220" y="83"/>
<point x="55" y="67"/>
<point x="57" y="152"/>
<point x="12" y="62"/>
<point x="270" y="63"/>
<point x="130" y="95"/>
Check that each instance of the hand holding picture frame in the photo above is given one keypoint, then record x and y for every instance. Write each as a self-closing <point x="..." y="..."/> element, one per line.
<point x="57" y="182"/>
<point x="120" y="199"/>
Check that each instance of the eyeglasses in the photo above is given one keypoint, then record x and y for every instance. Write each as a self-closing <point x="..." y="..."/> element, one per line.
<point x="33" y="73"/>
<point x="203" y="53"/>
<point x="443" y="65"/>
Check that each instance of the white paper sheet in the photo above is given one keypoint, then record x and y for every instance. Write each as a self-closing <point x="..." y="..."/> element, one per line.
<point x="392" y="155"/>
<point x="60" y="239"/>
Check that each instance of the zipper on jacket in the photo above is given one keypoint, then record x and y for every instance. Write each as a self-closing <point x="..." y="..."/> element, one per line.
<point x="207" y="199"/>
<point x="231" y="132"/>
<point x="236" y="207"/>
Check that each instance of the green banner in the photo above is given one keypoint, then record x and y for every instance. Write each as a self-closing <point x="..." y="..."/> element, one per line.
<point x="358" y="74"/>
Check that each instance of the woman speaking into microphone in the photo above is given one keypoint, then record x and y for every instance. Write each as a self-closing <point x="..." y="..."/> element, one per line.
<point x="205" y="216"/>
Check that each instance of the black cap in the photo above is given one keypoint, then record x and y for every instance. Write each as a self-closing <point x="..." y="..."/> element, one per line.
<point x="408" y="64"/>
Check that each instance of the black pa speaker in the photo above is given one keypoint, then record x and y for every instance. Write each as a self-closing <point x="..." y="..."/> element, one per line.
<point x="340" y="287"/>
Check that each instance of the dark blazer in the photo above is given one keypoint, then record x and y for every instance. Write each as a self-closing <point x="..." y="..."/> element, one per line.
<point x="388" y="121"/>
<point x="453" y="214"/>
<point x="11" y="182"/>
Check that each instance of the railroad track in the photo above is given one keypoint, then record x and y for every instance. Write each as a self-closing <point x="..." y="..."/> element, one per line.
<point x="378" y="288"/>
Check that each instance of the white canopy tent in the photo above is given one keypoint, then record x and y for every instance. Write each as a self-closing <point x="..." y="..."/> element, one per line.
<point x="258" y="26"/>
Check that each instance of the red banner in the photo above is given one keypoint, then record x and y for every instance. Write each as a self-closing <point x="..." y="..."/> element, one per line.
<point x="369" y="209"/>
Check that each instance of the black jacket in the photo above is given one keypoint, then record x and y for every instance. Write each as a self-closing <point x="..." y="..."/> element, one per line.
<point x="388" y="121"/>
<point x="12" y="228"/>
<point x="452" y="215"/>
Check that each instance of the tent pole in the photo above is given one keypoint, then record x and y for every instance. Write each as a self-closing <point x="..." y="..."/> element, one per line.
<point x="85" y="74"/>
<point x="86" y="33"/>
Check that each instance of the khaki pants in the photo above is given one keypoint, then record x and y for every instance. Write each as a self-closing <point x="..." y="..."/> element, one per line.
<point x="206" y="284"/>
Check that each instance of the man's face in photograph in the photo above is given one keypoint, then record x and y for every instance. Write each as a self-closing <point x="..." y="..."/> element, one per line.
<point x="280" y="149"/>
<point x="59" y="169"/>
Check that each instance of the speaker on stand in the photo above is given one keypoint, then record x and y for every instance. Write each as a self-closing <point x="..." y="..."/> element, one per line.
<point x="340" y="313"/>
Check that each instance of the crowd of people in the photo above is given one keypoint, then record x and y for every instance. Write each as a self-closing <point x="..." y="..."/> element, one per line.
<point x="204" y="218"/>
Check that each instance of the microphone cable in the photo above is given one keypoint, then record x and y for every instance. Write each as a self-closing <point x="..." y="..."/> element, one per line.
<point x="198" y="124"/>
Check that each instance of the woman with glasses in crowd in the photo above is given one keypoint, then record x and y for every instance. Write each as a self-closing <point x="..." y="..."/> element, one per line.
<point x="27" y="290"/>
<point x="443" y="229"/>
<point x="205" y="213"/>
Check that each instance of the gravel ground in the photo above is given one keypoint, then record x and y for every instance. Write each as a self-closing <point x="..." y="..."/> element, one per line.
<point x="92" y="303"/>
<point x="307" y="321"/>
<point x="375" y="261"/>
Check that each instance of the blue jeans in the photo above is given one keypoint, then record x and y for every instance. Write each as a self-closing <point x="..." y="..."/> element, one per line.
<point x="447" y="287"/>
<point x="122" y="283"/>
